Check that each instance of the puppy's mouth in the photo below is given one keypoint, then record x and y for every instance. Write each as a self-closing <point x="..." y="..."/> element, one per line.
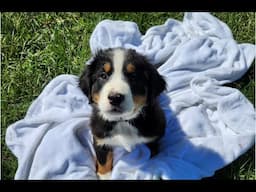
<point x="118" y="113"/>
<point x="116" y="110"/>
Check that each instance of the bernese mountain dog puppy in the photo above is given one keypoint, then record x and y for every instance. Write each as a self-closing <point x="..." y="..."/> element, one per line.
<point x="122" y="87"/>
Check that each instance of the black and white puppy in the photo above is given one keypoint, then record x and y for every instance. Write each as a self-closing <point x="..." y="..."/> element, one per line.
<point x="122" y="87"/>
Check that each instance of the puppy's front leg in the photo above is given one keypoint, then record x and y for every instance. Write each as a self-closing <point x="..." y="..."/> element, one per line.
<point x="153" y="146"/>
<point x="104" y="161"/>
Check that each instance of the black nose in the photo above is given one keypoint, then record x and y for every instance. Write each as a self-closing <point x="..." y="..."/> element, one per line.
<point x="115" y="99"/>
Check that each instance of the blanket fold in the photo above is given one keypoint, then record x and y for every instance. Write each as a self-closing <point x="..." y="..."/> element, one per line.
<point x="209" y="125"/>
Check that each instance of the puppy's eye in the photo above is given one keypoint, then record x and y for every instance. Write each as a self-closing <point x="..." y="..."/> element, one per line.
<point x="103" y="75"/>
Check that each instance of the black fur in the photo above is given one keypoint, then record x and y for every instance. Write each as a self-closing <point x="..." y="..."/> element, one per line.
<point x="85" y="82"/>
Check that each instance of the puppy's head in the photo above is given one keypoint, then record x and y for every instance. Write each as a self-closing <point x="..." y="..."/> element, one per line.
<point x="120" y="82"/>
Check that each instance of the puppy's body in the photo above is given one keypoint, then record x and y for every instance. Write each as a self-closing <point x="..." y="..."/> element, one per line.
<point x="122" y="87"/>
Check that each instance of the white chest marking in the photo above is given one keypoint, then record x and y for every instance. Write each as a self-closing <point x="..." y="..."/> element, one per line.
<point x="124" y="135"/>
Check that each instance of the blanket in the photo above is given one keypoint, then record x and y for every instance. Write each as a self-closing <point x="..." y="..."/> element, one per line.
<point x="209" y="125"/>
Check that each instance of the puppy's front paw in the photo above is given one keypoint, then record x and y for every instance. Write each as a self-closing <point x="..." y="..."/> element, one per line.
<point x="105" y="176"/>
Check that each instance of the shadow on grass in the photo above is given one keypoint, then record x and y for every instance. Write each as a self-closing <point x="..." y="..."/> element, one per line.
<point x="242" y="168"/>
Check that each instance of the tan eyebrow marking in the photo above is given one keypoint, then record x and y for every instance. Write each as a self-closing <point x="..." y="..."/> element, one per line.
<point x="107" y="67"/>
<point x="130" y="68"/>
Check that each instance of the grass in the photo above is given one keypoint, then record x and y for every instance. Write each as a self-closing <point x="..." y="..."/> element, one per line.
<point x="36" y="47"/>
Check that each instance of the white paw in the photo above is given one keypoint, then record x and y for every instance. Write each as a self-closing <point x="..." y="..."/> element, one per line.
<point x="106" y="176"/>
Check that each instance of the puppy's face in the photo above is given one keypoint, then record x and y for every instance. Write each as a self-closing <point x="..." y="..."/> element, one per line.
<point x="120" y="83"/>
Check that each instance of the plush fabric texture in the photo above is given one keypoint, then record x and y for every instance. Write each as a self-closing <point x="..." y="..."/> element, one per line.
<point x="209" y="125"/>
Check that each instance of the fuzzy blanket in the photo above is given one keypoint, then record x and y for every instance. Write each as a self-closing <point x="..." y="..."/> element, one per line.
<point x="208" y="125"/>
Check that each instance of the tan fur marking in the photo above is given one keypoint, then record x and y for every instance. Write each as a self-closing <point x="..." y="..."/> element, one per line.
<point x="130" y="68"/>
<point x="139" y="100"/>
<point x="95" y="97"/>
<point x="107" y="167"/>
<point x="107" y="67"/>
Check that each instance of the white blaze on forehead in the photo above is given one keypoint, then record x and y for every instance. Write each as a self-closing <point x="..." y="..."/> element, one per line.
<point x="117" y="81"/>
<point x="118" y="61"/>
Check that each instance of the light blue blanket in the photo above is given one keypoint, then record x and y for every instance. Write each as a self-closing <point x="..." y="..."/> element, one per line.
<point x="208" y="125"/>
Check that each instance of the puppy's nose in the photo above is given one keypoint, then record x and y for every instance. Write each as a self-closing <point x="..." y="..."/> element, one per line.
<point x="115" y="98"/>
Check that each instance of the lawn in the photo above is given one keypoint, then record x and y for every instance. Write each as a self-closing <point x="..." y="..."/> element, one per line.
<point x="36" y="47"/>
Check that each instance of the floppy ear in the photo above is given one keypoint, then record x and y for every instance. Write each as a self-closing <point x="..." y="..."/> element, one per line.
<point x="85" y="82"/>
<point x="156" y="84"/>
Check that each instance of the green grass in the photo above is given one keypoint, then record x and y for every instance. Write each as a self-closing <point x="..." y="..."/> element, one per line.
<point x="36" y="47"/>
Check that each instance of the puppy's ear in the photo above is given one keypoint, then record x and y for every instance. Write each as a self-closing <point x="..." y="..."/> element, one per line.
<point x="156" y="83"/>
<point x="85" y="82"/>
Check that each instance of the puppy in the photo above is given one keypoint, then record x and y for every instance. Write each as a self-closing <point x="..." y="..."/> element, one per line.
<point x="122" y="87"/>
